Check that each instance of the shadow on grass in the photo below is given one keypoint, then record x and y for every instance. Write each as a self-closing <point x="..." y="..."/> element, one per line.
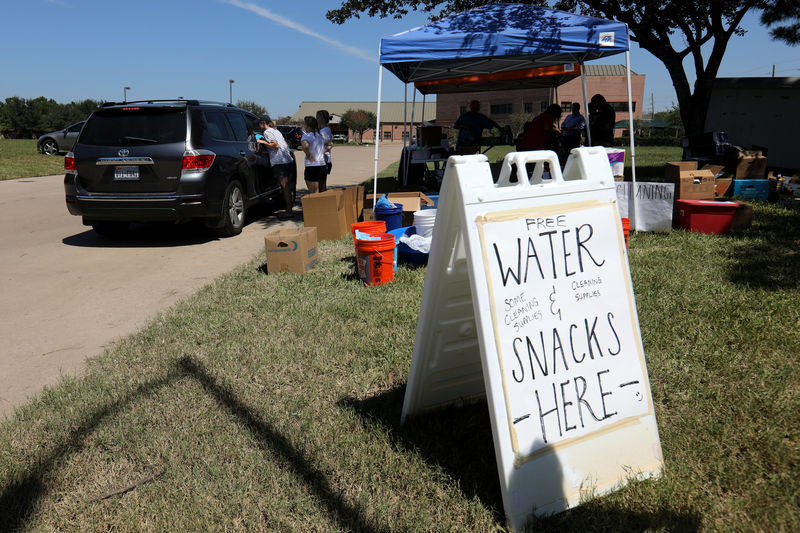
<point x="767" y="255"/>
<point x="459" y="441"/>
<point x="463" y="449"/>
<point x="352" y="272"/>
<point x="21" y="497"/>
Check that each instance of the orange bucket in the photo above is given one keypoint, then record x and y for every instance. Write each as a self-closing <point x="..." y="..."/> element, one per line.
<point x="368" y="226"/>
<point x="375" y="259"/>
<point x="626" y="228"/>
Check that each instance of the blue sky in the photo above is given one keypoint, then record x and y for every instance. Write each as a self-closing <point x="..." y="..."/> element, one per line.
<point x="277" y="53"/>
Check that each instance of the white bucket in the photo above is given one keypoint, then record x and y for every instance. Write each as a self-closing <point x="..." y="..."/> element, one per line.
<point x="424" y="221"/>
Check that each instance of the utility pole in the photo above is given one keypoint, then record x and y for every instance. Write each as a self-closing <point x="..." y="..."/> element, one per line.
<point x="652" y="107"/>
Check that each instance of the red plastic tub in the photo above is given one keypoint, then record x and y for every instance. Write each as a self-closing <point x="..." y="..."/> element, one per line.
<point x="706" y="216"/>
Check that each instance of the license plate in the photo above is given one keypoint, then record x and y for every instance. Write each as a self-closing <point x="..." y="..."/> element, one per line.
<point x="126" y="173"/>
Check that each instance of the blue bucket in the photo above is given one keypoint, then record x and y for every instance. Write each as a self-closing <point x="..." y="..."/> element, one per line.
<point x="392" y="216"/>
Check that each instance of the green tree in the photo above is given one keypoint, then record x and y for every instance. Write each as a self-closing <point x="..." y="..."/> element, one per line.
<point x="249" y="105"/>
<point x="359" y="121"/>
<point x="671" y="30"/>
<point x="16" y="119"/>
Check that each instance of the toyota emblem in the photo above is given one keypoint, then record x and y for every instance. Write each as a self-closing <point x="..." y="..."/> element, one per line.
<point x="124" y="152"/>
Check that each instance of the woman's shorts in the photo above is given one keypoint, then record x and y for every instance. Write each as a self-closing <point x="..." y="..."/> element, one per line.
<point x="316" y="173"/>
<point x="282" y="171"/>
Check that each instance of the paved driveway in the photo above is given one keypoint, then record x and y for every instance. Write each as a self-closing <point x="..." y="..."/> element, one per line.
<point x="68" y="293"/>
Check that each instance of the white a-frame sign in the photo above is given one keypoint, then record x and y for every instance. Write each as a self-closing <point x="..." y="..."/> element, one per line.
<point x="528" y="300"/>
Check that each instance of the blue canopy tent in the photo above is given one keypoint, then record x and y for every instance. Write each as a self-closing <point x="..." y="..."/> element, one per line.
<point x="500" y="38"/>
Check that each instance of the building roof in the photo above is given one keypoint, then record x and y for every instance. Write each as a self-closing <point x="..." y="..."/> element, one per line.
<point x="391" y="112"/>
<point x="606" y="70"/>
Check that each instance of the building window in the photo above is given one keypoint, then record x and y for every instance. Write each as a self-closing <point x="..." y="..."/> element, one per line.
<point x="500" y="109"/>
<point x="621" y="106"/>
<point x="387" y="135"/>
<point x="566" y="107"/>
<point x="527" y="107"/>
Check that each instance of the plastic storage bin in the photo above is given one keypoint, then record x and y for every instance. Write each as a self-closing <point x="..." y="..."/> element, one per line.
<point x="753" y="189"/>
<point x="706" y="216"/>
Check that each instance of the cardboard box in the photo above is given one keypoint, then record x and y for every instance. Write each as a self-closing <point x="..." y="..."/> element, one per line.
<point x="353" y="203"/>
<point x="722" y="187"/>
<point x="715" y="169"/>
<point x="746" y="164"/>
<point x="690" y="183"/>
<point x="326" y="212"/>
<point x="673" y="169"/>
<point x="411" y="201"/>
<point x="291" y="250"/>
<point x="695" y="185"/>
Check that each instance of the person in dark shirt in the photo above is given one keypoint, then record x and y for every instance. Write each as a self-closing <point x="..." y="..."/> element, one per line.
<point x="470" y="126"/>
<point x="542" y="131"/>
<point x="573" y="128"/>
<point x="601" y="121"/>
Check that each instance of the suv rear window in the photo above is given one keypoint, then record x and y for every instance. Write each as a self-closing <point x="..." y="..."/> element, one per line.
<point x="135" y="125"/>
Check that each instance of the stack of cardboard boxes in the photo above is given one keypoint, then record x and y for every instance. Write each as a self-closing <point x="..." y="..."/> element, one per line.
<point x="707" y="182"/>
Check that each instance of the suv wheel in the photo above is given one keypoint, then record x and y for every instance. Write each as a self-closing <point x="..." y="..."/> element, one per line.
<point x="49" y="147"/>
<point x="110" y="228"/>
<point x="233" y="209"/>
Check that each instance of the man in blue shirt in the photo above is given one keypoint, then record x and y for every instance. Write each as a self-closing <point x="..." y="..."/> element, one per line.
<point x="573" y="128"/>
<point x="470" y="126"/>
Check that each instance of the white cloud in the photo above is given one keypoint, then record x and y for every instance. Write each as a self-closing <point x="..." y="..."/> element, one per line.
<point x="283" y="21"/>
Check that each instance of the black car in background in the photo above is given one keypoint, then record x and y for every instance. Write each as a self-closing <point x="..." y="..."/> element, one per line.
<point x="292" y="134"/>
<point x="171" y="160"/>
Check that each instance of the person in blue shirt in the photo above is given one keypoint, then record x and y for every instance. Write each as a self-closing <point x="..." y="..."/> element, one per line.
<point x="573" y="128"/>
<point x="470" y="126"/>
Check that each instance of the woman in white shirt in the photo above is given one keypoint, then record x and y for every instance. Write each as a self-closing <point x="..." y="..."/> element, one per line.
<point x="323" y="118"/>
<point x="313" y="145"/>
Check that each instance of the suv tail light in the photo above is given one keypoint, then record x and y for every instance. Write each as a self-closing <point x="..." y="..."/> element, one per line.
<point x="69" y="164"/>
<point x="197" y="160"/>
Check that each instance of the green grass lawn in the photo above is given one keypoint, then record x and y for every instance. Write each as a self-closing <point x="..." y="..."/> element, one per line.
<point x="272" y="403"/>
<point x="19" y="158"/>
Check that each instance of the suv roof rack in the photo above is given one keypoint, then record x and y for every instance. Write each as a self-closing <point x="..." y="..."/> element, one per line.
<point x="160" y="101"/>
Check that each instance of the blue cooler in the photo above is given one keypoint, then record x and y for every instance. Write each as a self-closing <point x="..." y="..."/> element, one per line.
<point x="752" y="189"/>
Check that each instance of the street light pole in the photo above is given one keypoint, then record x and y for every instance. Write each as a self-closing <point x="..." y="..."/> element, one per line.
<point x="125" y="93"/>
<point x="230" y="91"/>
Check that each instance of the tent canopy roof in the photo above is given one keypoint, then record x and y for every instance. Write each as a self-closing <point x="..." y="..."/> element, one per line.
<point x="512" y="79"/>
<point x="497" y="38"/>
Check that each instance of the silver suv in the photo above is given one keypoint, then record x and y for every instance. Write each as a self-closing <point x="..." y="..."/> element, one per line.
<point x="171" y="160"/>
